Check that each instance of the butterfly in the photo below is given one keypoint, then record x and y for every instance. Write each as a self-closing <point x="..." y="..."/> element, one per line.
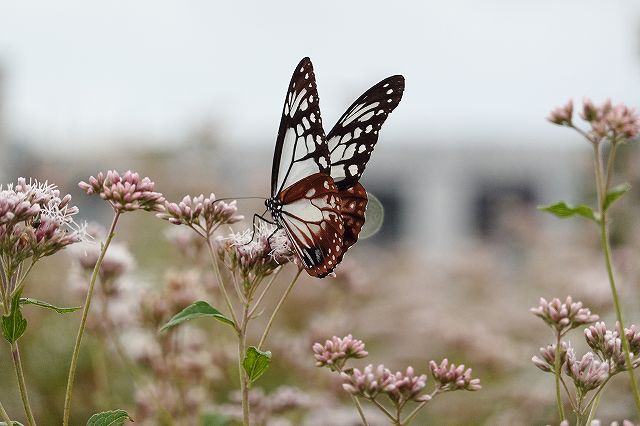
<point x="316" y="196"/>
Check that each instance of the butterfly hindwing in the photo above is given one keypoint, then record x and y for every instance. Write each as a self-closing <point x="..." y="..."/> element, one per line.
<point x="301" y="148"/>
<point x="353" y="204"/>
<point x="352" y="139"/>
<point x="312" y="219"/>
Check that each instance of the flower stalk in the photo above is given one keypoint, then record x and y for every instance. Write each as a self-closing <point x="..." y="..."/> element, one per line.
<point x="17" y="363"/>
<point x="4" y="416"/>
<point x="557" y="373"/>
<point x="83" y="321"/>
<point x="277" y="308"/>
<point x="602" y="187"/>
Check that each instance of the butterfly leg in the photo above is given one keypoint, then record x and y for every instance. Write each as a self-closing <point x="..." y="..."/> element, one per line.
<point x="258" y="216"/>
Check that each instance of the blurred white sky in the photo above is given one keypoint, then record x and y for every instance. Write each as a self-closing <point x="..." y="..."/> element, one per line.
<point x="86" y="70"/>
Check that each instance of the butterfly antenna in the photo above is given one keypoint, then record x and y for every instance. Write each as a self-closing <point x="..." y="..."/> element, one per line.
<point x="239" y="198"/>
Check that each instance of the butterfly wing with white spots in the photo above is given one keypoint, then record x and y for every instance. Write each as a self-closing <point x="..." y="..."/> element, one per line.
<point x="352" y="139"/>
<point x="323" y="217"/>
<point x="301" y="148"/>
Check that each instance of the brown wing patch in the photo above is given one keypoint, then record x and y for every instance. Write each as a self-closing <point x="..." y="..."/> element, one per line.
<point x="353" y="204"/>
<point x="311" y="216"/>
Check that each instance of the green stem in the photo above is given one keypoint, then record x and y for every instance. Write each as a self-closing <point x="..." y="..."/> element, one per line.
<point x="616" y="303"/>
<point x="83" y="321"/>
<point x="244" y="379"/>
<point x="275" y="311"/>
<point x="385" y="412"/>
<point x="264" y="291"/>
<point x="557" y="372"/>
<point x="17" y="363"/>
<point x="414" y="413"/>
<point x="216" y="268"/>
<point x="602" y="188"/>
<point x="595" y="401"/>
<point x="356" y="401"/>
<point x="4" y="416"/>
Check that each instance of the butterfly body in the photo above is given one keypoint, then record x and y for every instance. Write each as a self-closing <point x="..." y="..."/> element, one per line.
<point x="316" y="196"/>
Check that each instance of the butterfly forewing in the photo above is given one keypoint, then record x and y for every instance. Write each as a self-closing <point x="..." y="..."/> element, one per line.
<point x="353" y="204"/>
<point x="311" y="217"/>
<point x="352" y="139"/>
<point x="301" y="148"/>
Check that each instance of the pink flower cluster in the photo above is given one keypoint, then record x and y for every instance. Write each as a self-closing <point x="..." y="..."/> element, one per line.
<point x="547" y="359"/>
<point x="606" y="120"/>
<point x="204" y="213"/>
<point x="452" y="377"/>
<point x="35" y="221"/>
<point x="563" y="316"/>
<point x="335" y="352"/>
<point x="587" y="373"/>
<point x="607" y="344"/>
<point x="258" y="256"/>
<point x="125" y="193"/>
<point x="399" y="387"/>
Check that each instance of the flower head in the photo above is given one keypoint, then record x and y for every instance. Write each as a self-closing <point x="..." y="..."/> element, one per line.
<point x="408" y="387"/>
<point x="587" y="373"/>
<point x="369" y="382"/>
<point x="608" y="344"/>
<point x="258" y="256"/>
<point x="335" y="352"/>
<point x="35" y="221"/>
<point x="562" y="115"/>
<point x="125" y="193"/>
<point x="563" y="316"/>
<point x="547" y="359"/>
<point x="613" y="121"/>
<point x="452" y="377"/>
<point x="206" y="214"/>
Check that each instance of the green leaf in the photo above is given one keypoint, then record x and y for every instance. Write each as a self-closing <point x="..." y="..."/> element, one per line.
<point x="563" y="210"/>
<point x="256" y="362"/>
<point x="374" y="216"/>
<point x="109" y="418"/>
<point x="615" y="193"/>
<point x="29" y="301"/>
<point x="214" y="419"/>
<point x="14" y="324"/>
<point x="12" y="422"/>
<point x="198" y="309"/>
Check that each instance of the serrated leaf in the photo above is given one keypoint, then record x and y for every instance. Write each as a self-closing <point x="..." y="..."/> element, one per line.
<point x="563" y="210"/>
<point x="214" y="419"/>
<point x="615" y="193"/>
<point x="12" y="422"/>
<point x="374" y="217"/>
<point x="30" y="301"/>
<point x="199" y="309"/>
<point x="109" y="418"/>
<point x="14" y="324"/>
<point x="256" y="362"/>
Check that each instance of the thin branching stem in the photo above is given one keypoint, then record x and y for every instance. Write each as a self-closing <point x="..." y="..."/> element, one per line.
<point x="416" y="410"/>
<point x="216" y="268"/>
<point x="606" y="248"/>
<point x="17" y="363"/>
<point x="595" y="401"/>
<point x="566" y="389"/>
<point x="385" y="411"/>
<point x="4" y="416"/>
<point x="264" y="291"/>
<point x="277" y="308"/>
<point x="557" y="372"/>
<point x="83" y="321"/>
<point x="356" y="401"/>
<point x="244" y="378"/>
